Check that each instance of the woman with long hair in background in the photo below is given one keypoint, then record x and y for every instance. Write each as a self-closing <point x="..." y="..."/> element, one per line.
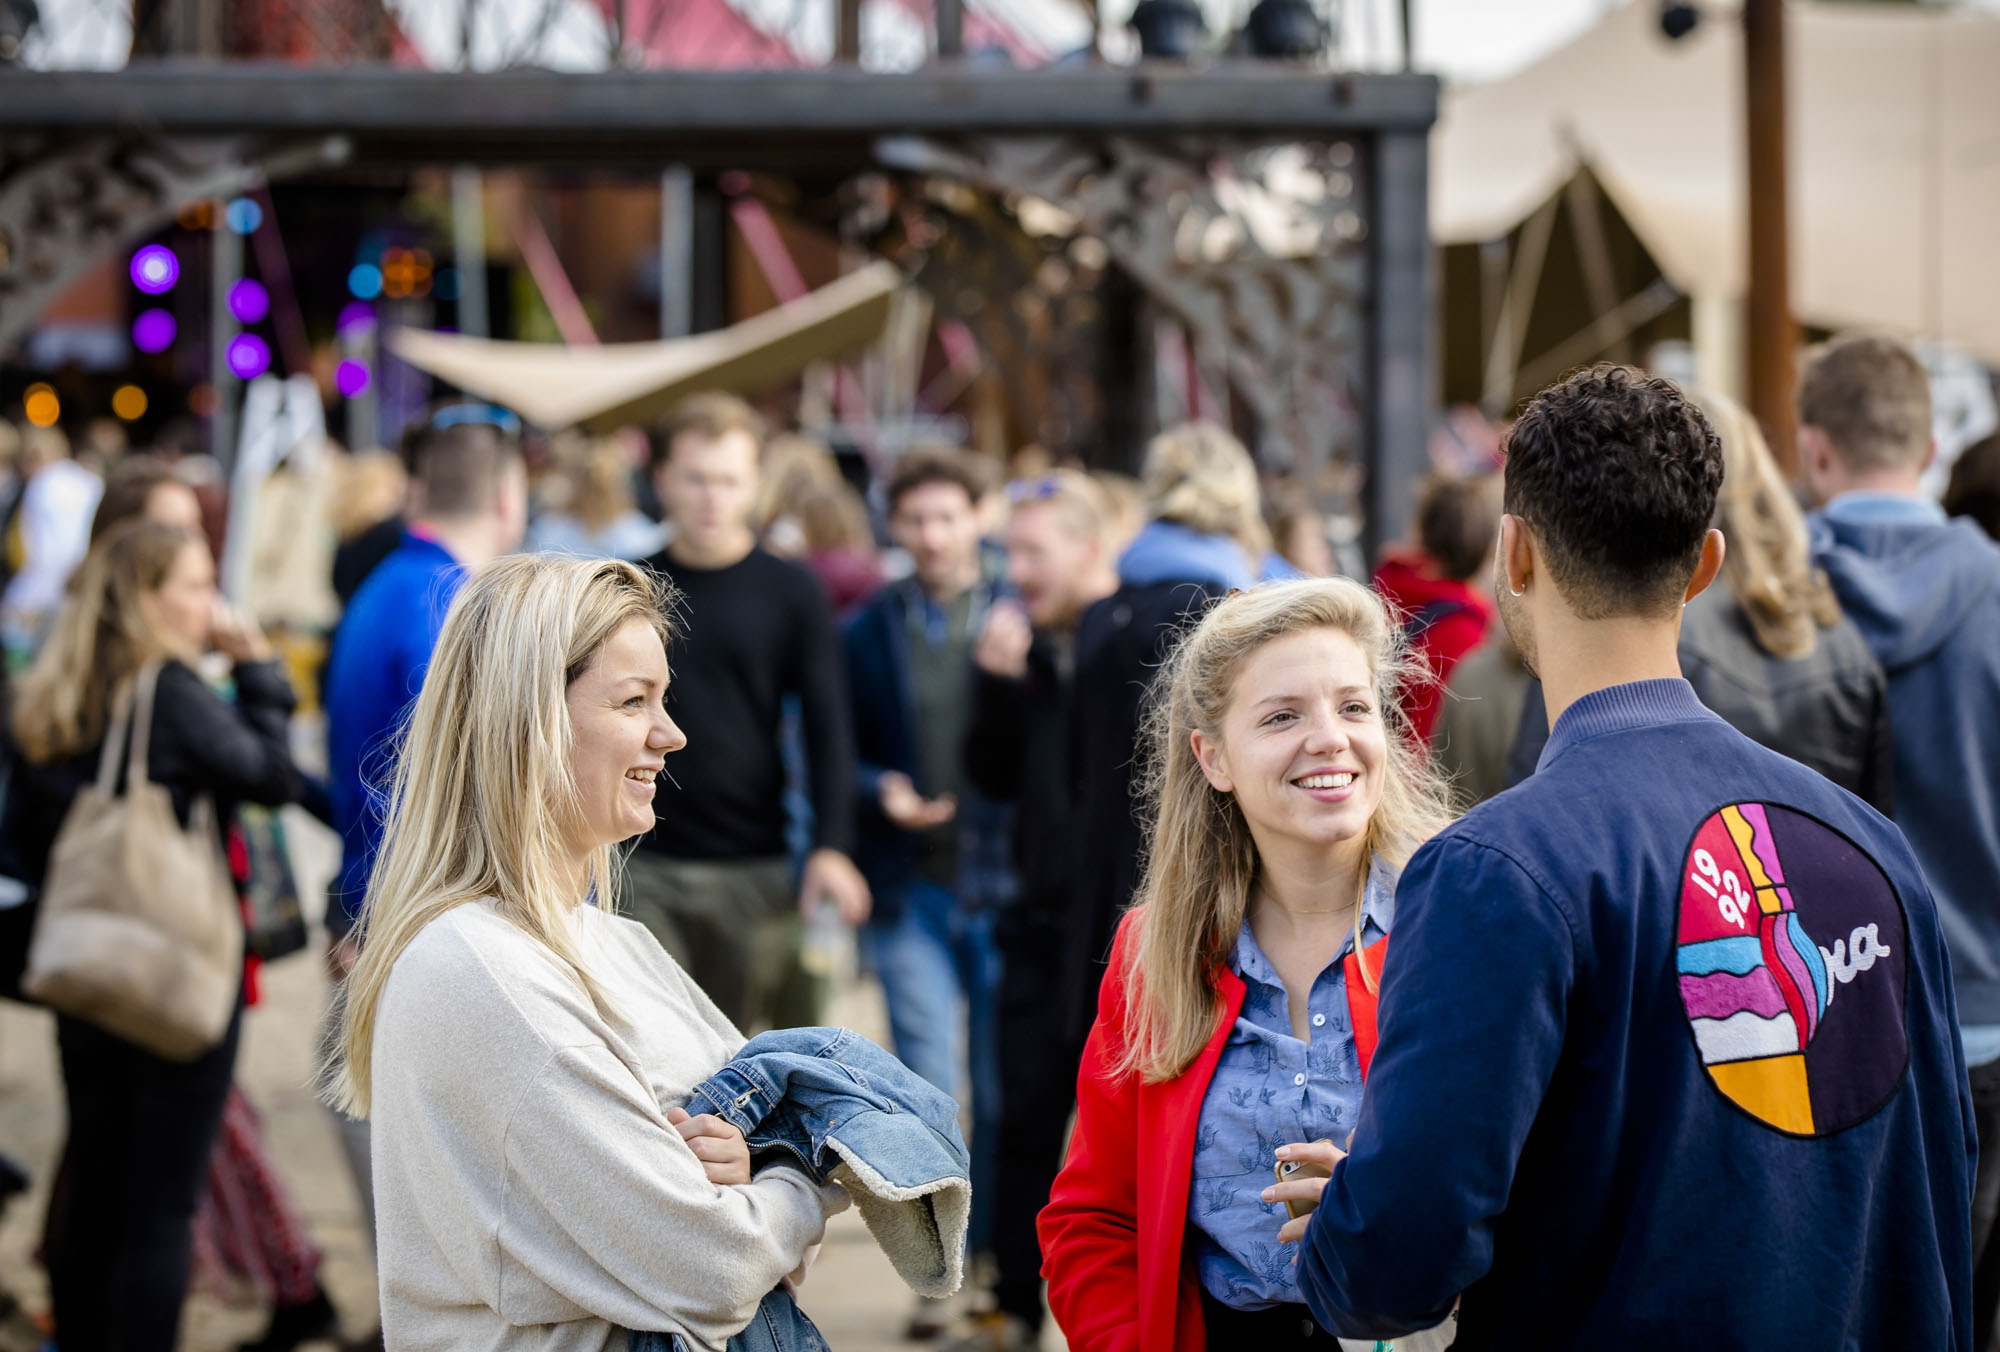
<point x="140" y="1127"/>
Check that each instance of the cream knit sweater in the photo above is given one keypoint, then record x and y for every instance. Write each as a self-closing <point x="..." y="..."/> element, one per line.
<point x="529" y="1193"/>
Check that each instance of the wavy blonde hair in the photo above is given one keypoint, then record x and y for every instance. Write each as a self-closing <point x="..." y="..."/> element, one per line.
<point x="1201" y="862"/>
<point x="1199" y="476"/>
<point x="483" y="799"/>
<point x="1768" y="564"/>
<point x="102" y="636"/>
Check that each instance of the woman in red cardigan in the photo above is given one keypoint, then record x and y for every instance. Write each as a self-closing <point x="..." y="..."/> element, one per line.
<point x="1238" y="1012"/>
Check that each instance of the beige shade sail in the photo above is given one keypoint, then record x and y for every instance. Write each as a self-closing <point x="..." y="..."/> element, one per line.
<point x="1894" y="122"/>
<point x="600" y="388"/>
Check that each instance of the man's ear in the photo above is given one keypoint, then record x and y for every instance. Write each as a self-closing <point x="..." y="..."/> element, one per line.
<point x="1214" y="766"/>
<point x="1930" y="457"/>
<point x="1713" y="546"/>
<point x="1517" y="554"/>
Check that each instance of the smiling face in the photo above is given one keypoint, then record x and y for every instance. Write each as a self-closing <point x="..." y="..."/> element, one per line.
<point x="1302" y="746"/>
<point x="620" y="735"/>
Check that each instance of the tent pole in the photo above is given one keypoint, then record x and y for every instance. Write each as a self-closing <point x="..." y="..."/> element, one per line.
<point x="1770" y="338"/>
<point x="1510" y="332"/>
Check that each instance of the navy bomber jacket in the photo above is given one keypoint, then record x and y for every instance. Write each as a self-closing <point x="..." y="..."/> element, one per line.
<point x="1668" y="1059"/>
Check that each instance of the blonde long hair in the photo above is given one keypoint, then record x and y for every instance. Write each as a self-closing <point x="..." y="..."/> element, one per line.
<point x="1199" y="476"/>
<point x="102" y="636"/>
<point x="483" y="797"/>
<point x="1201" y="862"/>
<point x="1768" y="564"/>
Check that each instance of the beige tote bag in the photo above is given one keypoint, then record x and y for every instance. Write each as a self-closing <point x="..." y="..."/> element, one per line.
<point x="139" y="931"/>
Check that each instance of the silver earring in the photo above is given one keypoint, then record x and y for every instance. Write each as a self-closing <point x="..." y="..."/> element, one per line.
<point x="1513" y="590"/>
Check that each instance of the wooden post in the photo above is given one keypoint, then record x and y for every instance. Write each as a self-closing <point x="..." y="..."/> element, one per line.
<point x="1770" y="337"/>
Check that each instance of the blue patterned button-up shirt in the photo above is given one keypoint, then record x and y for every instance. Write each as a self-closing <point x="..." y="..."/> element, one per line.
<point x="1272" y="1089"/>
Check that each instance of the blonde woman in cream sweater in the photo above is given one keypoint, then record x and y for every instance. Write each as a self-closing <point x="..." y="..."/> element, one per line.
<point x="521" y="1050"/>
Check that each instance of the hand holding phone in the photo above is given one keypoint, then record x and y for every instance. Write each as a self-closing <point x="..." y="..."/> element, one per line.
<point x="1302" y="1173"/>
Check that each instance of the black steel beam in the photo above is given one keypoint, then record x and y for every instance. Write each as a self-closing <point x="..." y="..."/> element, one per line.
<point x="1402" y="364"/>
<point x="622" y="115"/>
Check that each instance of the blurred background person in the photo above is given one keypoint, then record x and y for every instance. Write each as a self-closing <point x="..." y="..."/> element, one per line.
<point x="1438" y="588"/>
<point x="141" y="1128"/>
<point x="250" y="1244"/>
<point x="909" y="670"/>
<point x="1925" y="592"/>
<point x="714" y="879"/>
<point x="1298" y="531"/>
<point x="793" y="468"/>
<point x="1059" y="562"/>
<point x="839" y="546"/>
<point x="369" y="502"/>
<point x="1974" y="491"/>
<point x="1125" y="506"/>
<point x="148" y="486"/>
<point x="600" y="516"/>
<point x="48" y="536"/>
<point x="1479" y="717"/>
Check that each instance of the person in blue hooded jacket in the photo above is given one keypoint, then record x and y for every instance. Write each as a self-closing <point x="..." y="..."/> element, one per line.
<point x="1925" y="593"/>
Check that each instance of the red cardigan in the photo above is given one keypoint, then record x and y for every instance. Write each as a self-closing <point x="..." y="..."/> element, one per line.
<point x="1112" y="1232"/>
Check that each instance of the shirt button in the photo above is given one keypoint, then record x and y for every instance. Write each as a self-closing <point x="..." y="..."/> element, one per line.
<point x="1299" y="1078"/>
<point x="1319" y="1020"/>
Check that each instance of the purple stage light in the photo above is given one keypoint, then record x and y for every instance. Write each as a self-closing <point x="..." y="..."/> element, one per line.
<point x="248" y="356"/>
<point x="153" y="331"/>
<point x="249" y="301"/>
<point x="155" y="269"/>
<point x="356" y="314"/>
<point x="350" y="378"/>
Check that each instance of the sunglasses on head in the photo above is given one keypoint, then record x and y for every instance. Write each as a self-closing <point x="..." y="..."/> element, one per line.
<point x="1034" y="490"/>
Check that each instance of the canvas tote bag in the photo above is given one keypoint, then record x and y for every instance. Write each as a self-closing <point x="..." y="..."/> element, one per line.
<point x="139" y="931"/>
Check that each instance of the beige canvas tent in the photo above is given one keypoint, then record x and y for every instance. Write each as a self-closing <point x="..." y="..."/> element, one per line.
<point x="601" y="388"/>
<point x="1894" y="119"/>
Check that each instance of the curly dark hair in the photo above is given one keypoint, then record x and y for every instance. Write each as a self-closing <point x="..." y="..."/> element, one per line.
<point x="936" y="464"/>
<point x="1616" y="473"/>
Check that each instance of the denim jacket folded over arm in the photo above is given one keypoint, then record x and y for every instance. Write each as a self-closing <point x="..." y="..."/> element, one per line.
<point x="850" y="1113"/>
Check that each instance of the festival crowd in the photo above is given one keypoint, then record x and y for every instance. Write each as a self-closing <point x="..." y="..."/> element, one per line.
<point x="1583" y="933"/>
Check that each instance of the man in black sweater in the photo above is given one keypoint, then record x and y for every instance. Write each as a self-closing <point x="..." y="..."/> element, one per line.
<point x="1018" y="750"/>
<point x="714" y="880"/>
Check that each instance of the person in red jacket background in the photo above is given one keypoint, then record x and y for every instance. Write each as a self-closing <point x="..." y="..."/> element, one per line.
<point x="1445" y="614"/>
<point x="1237" y="1016"/>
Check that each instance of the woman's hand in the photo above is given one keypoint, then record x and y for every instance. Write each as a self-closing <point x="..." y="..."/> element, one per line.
<point x="724" y="1154"/>
<point x="1323" y="1153"/>
<point x="236" y="636"/>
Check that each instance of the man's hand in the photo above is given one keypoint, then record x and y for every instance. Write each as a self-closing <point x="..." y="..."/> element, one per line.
<point x="1002" y="648"/>
<point x="1323" y="1153"/>
<point x="829" y="873"/>
<point x="724" y="1154"/>
<point x="910" y="810"/>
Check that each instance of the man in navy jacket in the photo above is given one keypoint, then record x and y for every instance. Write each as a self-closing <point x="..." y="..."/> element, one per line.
<point x="1667" y="1053"/>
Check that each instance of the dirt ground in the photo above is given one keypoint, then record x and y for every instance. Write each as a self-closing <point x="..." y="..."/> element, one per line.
<point x="852" y="1294"/>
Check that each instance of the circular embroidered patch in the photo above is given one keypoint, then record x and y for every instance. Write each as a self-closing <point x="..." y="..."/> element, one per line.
<point x="1792" y="966"/>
